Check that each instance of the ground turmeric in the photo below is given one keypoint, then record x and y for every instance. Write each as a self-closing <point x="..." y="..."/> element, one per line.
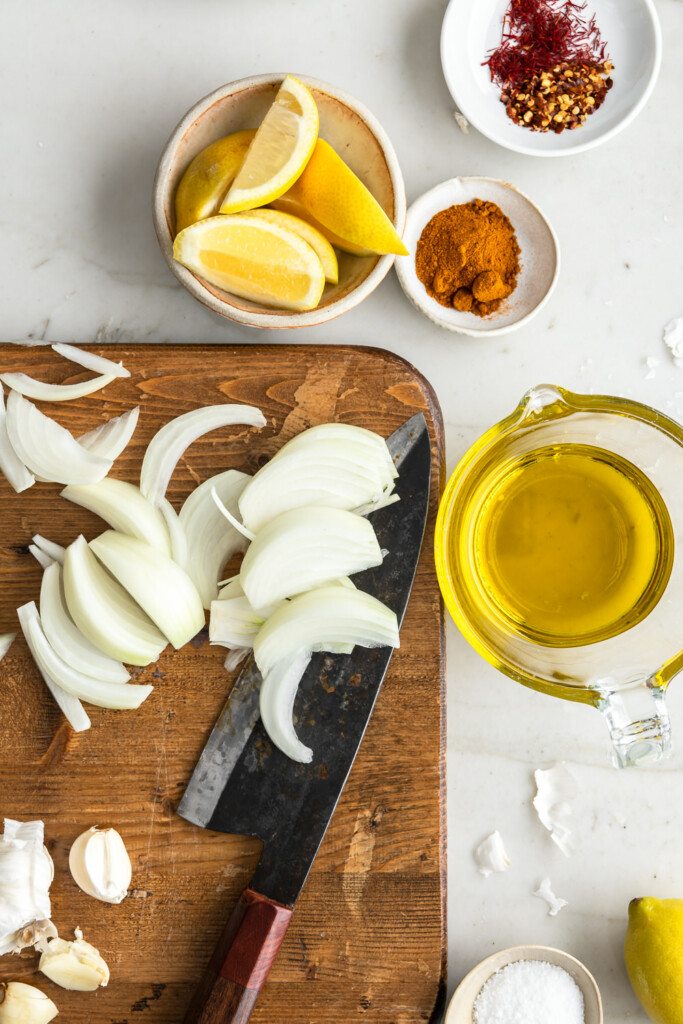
<point x="468" y="257"/>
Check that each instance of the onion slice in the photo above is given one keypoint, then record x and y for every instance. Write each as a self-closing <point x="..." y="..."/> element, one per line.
<point x="6" y="641"/>
<point x="43" y="392"/>
<point x="211" y="542"/>
<point x="305" y="548"/>
<point x="334" y="465"/>
<point x="65" y="636"/>
<point x="42" y="558"/>
<point x="110" y="438"/>
<point x="331" y="614"/>
<point x="105" y="613"/>
<point x="14" y="470"/>
<point x="47" y="449"/>
<point x="234" y="522"/>
<point x="70" y="706"/>
<point x="98" y="364"/>
<point x="160" y="587"/>
<point x="169" y="443"/>
<point x="104" y="695"/>
<point x="278" y="693"/>
<point x="176" y="533"/>
<point x="122" y="506"/>
<point x="55" y="551"/>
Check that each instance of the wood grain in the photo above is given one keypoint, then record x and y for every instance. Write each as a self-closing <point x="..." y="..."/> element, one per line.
<point x="367" y="939"/>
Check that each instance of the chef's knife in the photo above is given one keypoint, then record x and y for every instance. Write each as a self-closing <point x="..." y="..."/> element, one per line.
<point x="242" y="784"/>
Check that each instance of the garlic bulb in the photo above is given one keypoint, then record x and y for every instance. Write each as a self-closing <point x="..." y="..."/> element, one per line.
<point x="25" y="1004"/>
<point x="75" y="965"/>
<point x="100" y="864"/>
<point x="26" y="873"/>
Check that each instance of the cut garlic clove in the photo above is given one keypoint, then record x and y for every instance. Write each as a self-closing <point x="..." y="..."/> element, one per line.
<point x="76" y="966"/>
<point x="100" y="864"/>
<point x="25" y="1004"/>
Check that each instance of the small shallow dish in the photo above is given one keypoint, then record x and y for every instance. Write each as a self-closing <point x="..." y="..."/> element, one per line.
<point x="633" y="36"/>
<point x="347" y="125"/>
<point x="461" y="1007"/>
<point x="539" y="260"/>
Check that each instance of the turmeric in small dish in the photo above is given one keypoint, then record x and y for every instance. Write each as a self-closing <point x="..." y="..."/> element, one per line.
<point x="468" y="257"/>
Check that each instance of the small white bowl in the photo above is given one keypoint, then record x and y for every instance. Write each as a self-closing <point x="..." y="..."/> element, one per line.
<point x="461" y="1007"/>
<point x="347" y="125"/>
<point x="471" y="30"/>
<point x="539" y="260"/>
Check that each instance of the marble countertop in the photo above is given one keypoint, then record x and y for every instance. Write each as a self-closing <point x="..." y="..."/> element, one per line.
<point x="91" y="92"/>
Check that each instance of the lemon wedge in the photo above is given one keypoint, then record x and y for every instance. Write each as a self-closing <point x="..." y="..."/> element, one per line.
<point x="253" y="258"/>
<point x="315" y="239"/>
<point x="287" y="204"/>
<point x="281" y="148"/>
<point x="209" y="176"/>
<point x="332" y="193"/>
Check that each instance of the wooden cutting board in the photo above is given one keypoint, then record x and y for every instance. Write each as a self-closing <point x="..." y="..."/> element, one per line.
<point x="368" y="938"/>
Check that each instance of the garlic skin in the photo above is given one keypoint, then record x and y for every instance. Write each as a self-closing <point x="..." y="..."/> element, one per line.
<point x="556" y="789"/>
<point x="555" y="903"/>
<point x="26" y="873"/>
<point x="100" y="865"/>
<point x="490" y="855"/>
<point x="76" y="965"/>
<point x="25" y="1004"/>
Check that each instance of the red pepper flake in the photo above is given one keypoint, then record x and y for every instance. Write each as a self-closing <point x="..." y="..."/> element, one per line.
<point x="539" y="35"/>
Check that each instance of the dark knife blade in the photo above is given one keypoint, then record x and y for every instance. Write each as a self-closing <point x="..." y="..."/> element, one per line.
<point x="242" y="783"/>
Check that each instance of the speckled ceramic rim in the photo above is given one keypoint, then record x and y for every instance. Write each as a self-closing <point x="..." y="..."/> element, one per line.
<point x="459" y="1009"/>
<point x="417" y="299"/>
<point x="273" y="319"/>
<point x="580" y="147"/>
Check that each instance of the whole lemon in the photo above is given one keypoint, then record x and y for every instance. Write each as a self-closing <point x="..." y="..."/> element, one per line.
<point x="653" y="952"/>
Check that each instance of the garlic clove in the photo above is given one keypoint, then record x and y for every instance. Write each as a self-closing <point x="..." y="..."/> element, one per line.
<point x="100" y="864"/>
<point x="26" y="873"/>
<point x="25" y="1004"/>
<point x="75" y="965"/>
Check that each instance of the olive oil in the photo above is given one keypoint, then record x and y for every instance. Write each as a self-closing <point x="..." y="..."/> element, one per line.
<point x="572" y="544"/>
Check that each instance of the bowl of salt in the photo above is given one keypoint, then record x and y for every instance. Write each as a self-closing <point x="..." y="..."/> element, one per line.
<point x="536" y="984"/>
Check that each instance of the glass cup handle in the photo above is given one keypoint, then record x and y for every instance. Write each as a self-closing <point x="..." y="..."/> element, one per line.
<point x="638" y="722"/>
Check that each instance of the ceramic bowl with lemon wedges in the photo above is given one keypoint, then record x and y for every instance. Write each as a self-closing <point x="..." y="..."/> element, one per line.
<point x="461" y="1007"/>
<point x="279" y="202"/>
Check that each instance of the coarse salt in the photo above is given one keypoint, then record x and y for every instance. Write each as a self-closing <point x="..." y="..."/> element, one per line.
<point x="530" y="992"/>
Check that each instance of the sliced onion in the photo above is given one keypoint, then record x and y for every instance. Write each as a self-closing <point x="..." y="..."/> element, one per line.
<point x="67" y="639"/>
<point x="234" y="623"/>
<point x="169" y="443"/>
<point x="122" y="506"/>
<point x="278" y="693"/>
<point x="104" y="695"/>
<point x="42" y="558"/>
<point x="233" y="520"/>
<point x="304" y="548"/>
<point x="328" y="615"/>
<point x="176" y="534"/>
<point x="160" y="587"/>
<point x="43" y="392"/>
<point x="55" y="551"/>
<point x="98" y="364"/>
<point x="6" y="641"/>
<point x="333" y="465"/>
<point x="105" y="613"/>
<point x="211" y="542"/>
<point x="110" y="438"/>
<point x="47" y="449"/>
<point x="14" y="470"/>
<point x="235" y="657"/>
<point x="70" y="706"/>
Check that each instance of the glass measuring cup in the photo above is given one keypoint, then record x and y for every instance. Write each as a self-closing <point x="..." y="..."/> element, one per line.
<point x="623" y="668"/>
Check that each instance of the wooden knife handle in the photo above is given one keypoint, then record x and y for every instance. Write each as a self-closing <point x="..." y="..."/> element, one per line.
<point x="241" y="962"/>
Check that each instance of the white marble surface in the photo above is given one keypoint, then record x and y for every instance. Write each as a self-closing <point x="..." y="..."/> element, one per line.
<point x="90" y="91"/>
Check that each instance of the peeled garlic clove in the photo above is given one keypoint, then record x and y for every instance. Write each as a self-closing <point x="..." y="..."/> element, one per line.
<point x="100" y="864"/>
<point x="25" y="1004"/>
<point x="76" y="965"/>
